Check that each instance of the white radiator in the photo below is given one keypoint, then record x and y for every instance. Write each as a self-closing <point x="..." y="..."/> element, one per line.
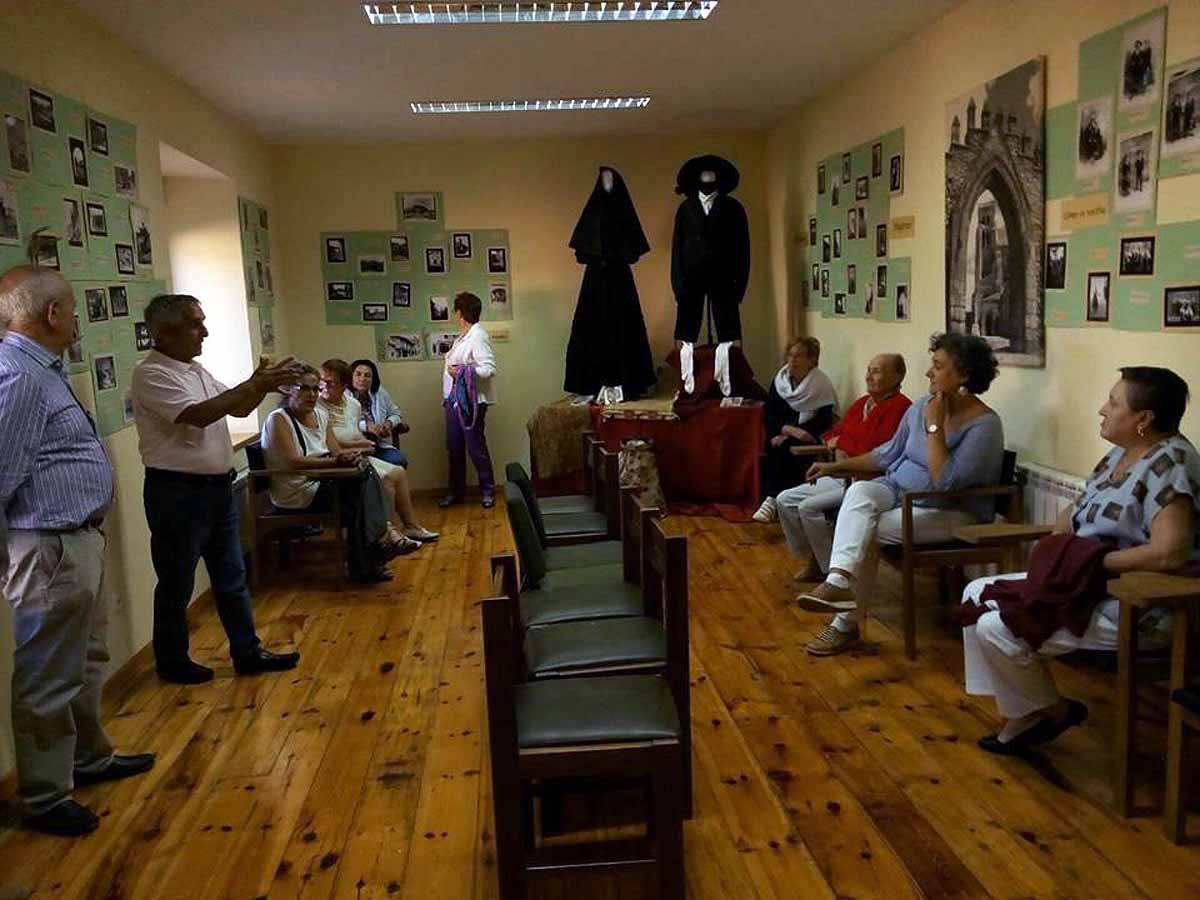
<point x="1047" y="492"/>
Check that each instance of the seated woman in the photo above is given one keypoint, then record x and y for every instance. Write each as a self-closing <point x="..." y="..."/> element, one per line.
<point x="948" y="440"/>
<point x="801" y="406"/>
<point x="1144" y="498"/>
<point x="344" y="414"/>
<point x="297" y="435"/>
<point x="381" y="417"/>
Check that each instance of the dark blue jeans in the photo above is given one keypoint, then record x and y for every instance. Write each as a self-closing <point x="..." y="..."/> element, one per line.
<point x="393" y="455"/>
<point x="194" y="517"/>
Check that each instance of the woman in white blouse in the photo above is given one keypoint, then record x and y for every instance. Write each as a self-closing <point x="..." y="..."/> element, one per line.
<point x="466" y="393"/>
<point x="344" y="413"/>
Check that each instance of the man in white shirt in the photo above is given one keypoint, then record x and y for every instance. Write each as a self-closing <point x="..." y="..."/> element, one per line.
<point x="466" y="416"/>
<point x="180" y="412"/>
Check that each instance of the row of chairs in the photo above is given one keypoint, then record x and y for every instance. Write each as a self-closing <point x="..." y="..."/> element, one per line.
<point x="586" y="663"/>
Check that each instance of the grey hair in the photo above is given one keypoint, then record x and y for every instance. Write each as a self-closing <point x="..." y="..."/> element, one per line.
<point x="167" y="309"/>
<point x="302" y="369"/>
<point x="26" y="292"/>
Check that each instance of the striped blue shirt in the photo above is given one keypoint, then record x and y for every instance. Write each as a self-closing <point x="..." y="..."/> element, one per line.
<point x="54" y="473"/>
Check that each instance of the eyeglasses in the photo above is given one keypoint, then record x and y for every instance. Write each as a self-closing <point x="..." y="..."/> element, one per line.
<point x="307" y="389"/>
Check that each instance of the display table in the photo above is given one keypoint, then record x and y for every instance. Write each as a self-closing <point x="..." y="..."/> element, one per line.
<point x="555" y="454"/>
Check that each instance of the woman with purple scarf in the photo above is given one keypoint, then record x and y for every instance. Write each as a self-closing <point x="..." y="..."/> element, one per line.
<point x="466" y="393"/>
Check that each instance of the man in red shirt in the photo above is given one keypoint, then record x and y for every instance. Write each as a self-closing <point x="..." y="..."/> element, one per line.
<point x="871" y="421"/>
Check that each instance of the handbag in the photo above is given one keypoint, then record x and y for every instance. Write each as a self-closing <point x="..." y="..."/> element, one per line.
<point x="639" y="469"/>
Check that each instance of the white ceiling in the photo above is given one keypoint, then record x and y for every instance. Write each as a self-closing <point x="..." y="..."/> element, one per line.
<point x="316" y="71"/>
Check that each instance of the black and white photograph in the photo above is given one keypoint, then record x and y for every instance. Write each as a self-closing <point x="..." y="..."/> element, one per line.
<point x="837" y="243"/>
<point x="41" y="111"/>
<point x="881" y="241"/>
<point x="439" y="308"/>
<point x="824" y="282"/>
<point x="845" y="168"/>
<point x="141" y="235"/>
<point x="18" y="144"/>
<point x="1093" y="154"/>
<point x="339" y="291"/>
<point x="374" y="312"/>
<point x="821" y="179"/>
<point x="896" y="175"/>
<point x="106" y="373"/>
<point x="97" y="219"/>
<point x="1181" y="306"/>
<point x="259" y="275"/>
<point x="403" y="346"/>
<point x="460" y="241"/>
<point x="851" y="224"/>
<point x="141" y="335"/>
<point x="125" y="180"/>
<point x="835" y="193"/>
<point x="263" y="220"/>
<point x="440" y="342"/>
<point x="862" y="221"/>
<point x="995" y="191"/>
<point x="862" y="188"/>
<point x="1141" y="63"/>
<point x="127" y="407"/>
<point x="902" y="310"/>
<point x="852" y="279"/>
<point x="1181" y="120"/>
<point x="97" y="136"/>
<point x="826" y="248"/>
<point x="1137" y="169"/>
<point x="435" y="260"/>
<point x="335" y="250"/>
<point x="95" y="301"/>
<point x="869" y="306"/>
<point x="881" y="281"/>
<point x="372" y="265"/>
<point x="270" y="280"/>
<point x="79" y="169"/>
<point x="498" y="295"/>
<point x="398" y="245"/>
<point x="418" y="207"/>
<point x="497" y="259"/>
<point x="266" y="334"/>
<point x="250" y="284"/>
<point x="125" y="259"/>
<point x="75" y="351"/>
<point x="72" y="222"/>
<point x="1137" y="255"/>
<point x="812" y="232"/>
<point x="1099" y="285"/>
<point x="402" y="294"/>
<point x="876" y="160"/>
<point x="118" y="301"/>
<point x="1056" y="266"/>
<point x="839" y="304"/>
<point x="45" y="252"/>
<point x="816" y="276"/>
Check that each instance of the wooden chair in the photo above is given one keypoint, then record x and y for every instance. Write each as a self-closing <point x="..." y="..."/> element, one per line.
<point x="268" y="523"/>
<point x="596" y="729"/>
<point x="1183" y="714"/>
<point x="572" y="527"/>
<point x="607" y="474"/>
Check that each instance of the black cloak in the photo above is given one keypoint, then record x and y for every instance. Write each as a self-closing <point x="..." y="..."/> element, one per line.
<point x="608" y="344"/>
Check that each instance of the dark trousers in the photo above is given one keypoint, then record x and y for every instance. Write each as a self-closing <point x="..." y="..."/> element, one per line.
<point x="194" y="517"/>
<point x="784" y="470"/>
<point x="461" y="441"/>
<point x="689" y="317"/>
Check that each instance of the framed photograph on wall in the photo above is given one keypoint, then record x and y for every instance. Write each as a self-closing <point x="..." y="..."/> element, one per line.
<point x="845" y="168"/>
<point x="896" y="175"/>
<point x="335" y="250"/>
<point x="435" y="260"/>
<point x="876" y="160"/>
<point x="398" y="245"/>
<point x="460" y="242"/>
<point x="374" y="312"/>
<point x="1056" y="266"/>
<point x="402" y="294"/>
<point x="1137" y="256"/>
<point x="339" y="291"/>
<point x="1181" y="306"/>
<point x="497" y="260"/>
<point x="1099" y="285"/>
<point x="821" y="178"/>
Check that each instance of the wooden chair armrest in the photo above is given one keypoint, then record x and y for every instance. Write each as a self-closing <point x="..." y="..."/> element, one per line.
<point x="1146" y="590"/>
<point x="1000" y="534"/>
<point x="813" y="450"/>
<point x="340" y="472"/>
<point x="994" y="490"/>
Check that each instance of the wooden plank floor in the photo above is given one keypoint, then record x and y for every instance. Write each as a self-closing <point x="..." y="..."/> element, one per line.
<point x="364" y="773"/>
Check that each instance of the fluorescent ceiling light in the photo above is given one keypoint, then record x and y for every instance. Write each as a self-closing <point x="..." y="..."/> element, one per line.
<point x="541" y="11"/>
<point x="506" y="106"/>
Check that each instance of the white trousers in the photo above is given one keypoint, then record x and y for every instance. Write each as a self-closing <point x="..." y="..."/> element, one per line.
<point x="803" y="513"/>
<point x="999" y="664"/>
<point x="870" y="515"/>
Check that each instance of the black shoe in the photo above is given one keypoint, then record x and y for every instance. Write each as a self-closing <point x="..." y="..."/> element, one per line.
<point x="118" y="767"/>
<point x="449" y="500"/>
<point x="1047" y="730"/>
<point x="66" y="819"/>
<point x="186" y="672"/>
<point x="263" y="660"/>
<point x="376" y="577"/>
<point x="489" y="500"/>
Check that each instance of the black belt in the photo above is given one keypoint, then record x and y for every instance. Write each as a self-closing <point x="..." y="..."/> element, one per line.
<point x="190" y="477"/>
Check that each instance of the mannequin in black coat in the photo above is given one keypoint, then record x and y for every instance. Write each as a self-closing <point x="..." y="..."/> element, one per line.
<point x="608" y="345"/>
<point x="710" y="252"/>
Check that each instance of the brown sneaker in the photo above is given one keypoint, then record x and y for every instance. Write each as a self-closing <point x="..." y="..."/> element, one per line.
<point x="826" y="598"/>
<point x="831" y="642"/>
<point x="810" y="573"/>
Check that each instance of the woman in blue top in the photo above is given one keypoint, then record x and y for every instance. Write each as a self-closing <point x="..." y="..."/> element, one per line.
<point x="1143" y="497"/>
<point x="382" y="418"/>
<point x="947" y="440"/>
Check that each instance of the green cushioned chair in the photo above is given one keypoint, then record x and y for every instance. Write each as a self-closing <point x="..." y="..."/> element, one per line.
<point x="604" y="557"/>
<point x="633" y="707"/>
<point x="549" y="506"/>
<point x="580" y="525"/>
<point x="550" y="606"/>
<point x="577" y="556"/>
<point x="569" y="648"/>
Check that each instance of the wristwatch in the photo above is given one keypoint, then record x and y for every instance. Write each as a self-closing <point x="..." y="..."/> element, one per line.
<point x="931" y="428"/>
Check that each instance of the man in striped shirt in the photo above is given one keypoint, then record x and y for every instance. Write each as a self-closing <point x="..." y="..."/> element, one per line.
<point x="56" y="486"/>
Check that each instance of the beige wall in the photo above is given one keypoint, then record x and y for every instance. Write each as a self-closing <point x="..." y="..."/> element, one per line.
<point x="57" y="46"/>
<point x="536" y="191"/>
<point x="1049" y="414"/>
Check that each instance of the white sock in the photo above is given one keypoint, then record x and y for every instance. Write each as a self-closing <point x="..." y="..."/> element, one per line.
<point x="838" y="580"/>
<point x="845" y="623"/>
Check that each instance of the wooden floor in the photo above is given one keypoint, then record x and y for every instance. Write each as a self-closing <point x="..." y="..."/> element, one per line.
<point x="364" y="773"/>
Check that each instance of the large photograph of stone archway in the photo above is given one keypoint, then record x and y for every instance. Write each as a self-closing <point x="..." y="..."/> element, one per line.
<point x="996" y="214"/>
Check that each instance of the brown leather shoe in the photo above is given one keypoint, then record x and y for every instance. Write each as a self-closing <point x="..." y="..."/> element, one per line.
<point x="826" y="598"/>
<point x="831" y="642"/>
<point x="809" y="573"/>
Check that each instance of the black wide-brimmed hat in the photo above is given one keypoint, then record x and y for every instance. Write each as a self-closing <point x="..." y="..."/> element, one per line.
<point x="688" y="179"/>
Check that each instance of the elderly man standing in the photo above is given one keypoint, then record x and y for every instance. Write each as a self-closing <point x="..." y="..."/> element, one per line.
<point x="56" y="485"/>
<point x="870" y="421"/>
<point x="180" y="411"/>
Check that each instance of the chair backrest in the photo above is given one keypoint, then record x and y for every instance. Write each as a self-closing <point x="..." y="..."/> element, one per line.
<point x="632" y="513"/>
<point x="586" y="440"/>
<point x="665" y="590"/>
<point x="515" y="473"/>
<point x="529" y="548"/>
<point x="607" y="473"/>
<point x="1008" y="506"/>
<point x="257" y="462"/>
<point x="499" y="667"/>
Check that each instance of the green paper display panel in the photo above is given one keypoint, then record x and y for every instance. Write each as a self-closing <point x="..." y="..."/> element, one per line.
<point x="256" y="253"/>
<point x="1060" y="152"/>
